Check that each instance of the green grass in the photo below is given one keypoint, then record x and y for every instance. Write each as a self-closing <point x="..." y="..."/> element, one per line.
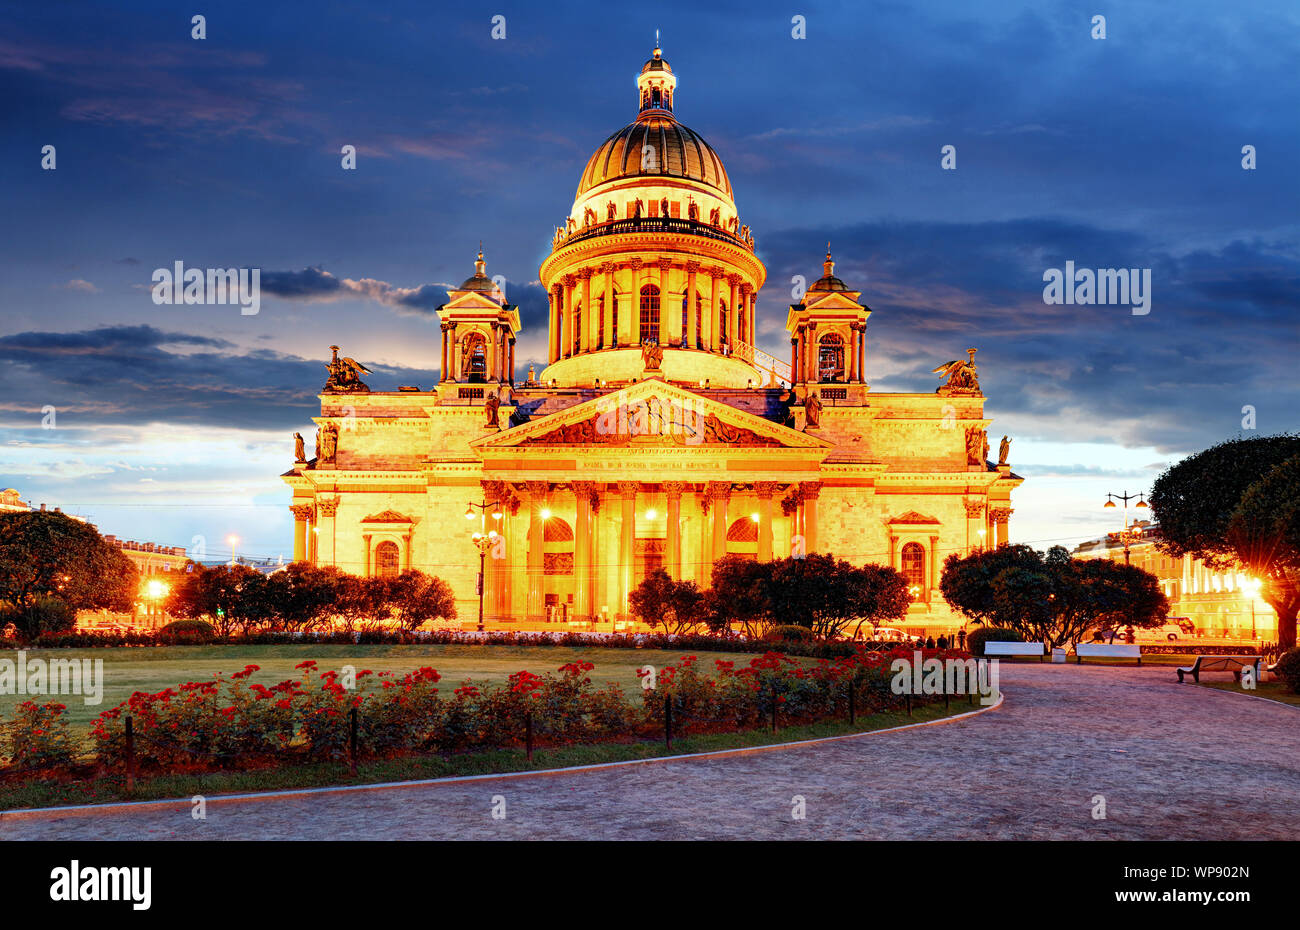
<point x="1273" y="690"/>
<point x="153" y="668"/>
<point x="318" y="775"/>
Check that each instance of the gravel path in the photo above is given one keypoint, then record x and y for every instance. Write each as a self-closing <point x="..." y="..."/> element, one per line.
<point x="1171" y="761"/>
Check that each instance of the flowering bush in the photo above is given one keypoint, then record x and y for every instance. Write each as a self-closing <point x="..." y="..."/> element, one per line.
<point x="38" y="736"/>
<point x="232" y="721"/>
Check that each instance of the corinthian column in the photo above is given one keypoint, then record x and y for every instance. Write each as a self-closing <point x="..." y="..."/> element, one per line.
<point x="665" y="330"/>
<point x="692" y="336"/>
<point x="811" y="491"/>
<point x="719" y="494"/>
<point x="627" y="544"/>
<point x="673" y="490"/>
<point x="536" y="564"/>
<point x="611" y="337"/>
<point x="583" y="602"/>
<point x="301" y="517"/>
<point x="590" y="320"/>
<point x="764" y="490"/>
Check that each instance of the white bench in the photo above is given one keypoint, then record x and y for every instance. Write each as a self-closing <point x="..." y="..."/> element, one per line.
<point x="1107" y="651"/>
<point x="992" y="648"/>
<point x="1232" y="664"/>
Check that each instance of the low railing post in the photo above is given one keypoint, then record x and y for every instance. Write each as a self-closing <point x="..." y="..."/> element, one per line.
<point x="668" y="721"/>
<point x="130" y="755"/>
<point x="352" y="741"/>
<point x="528" y="736"/>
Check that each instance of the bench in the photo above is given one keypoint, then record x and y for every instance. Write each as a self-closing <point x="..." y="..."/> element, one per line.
<point x="1014" y="649"/>
<point x="1107" y="651"/>
<point x="1232" y="664"/>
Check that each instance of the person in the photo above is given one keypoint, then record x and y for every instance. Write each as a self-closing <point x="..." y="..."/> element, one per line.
<point x="961" y="639"/>
<point x="943" y="642"/>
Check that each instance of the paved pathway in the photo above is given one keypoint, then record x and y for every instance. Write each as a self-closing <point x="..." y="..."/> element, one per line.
<point x="1172" y="762"/>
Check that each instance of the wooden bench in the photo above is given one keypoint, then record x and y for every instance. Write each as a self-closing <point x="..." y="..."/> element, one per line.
<point x="1232" y="664"/>
<point x="992" y="648"/>
<point x="1107" y="651"/>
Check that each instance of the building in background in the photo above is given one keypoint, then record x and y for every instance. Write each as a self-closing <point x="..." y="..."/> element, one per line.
<point x="658" y="435"/>
<point x="153" y="562"/>
<point x="1222" y="604"/>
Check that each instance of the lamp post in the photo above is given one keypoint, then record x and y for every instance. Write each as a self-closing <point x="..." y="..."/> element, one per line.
<point x="234" y="541"/>
<point x="1126" y="536"/>
<point x="484" y="539"/>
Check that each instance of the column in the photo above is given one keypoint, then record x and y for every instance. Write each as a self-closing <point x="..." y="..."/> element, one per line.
<point x="553" y="327"/>
<point x="811" y="492"/>
<point x="764" y="490"/>
<point x="627" y="545"/>
<point x="719" y="493"/>
<point x="583" y="607"/>
<point x="611" y="337"/>
<point x="536" y="564"/>
<point x="590" y="322"/>
<point x="974" y="517"/>
<point x="326" y="508"/>
<point x="1001" y="519"/>
<point x="711" y="317"/>
<point x="734" y="281"/>
<point x="810" y="370"/>
<point x="705" y="572"/>
<point x="934" y="565"/>
<point x="673" y="490"/>
<point x="852" y="374"/>
<point x="692" y="323"/>
<point x="510" y="365"/>
<point x="365" y="570"/>
<point x="453" y="352"/>
<point x="665" y="313"/>
<point x="490" y="356"/>
<point x="862" y="353"/>
<point x="566" y="346"/>
<point x="745" y="302"/>
<point x="301" y="515"/>
<point x="313" y="535"/>
<point x="629" y="323"/>
<point x="794" y="360"/>
<point x="442" y="354"/>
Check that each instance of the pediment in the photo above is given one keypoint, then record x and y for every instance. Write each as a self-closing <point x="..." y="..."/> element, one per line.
<point x="655" y="414"/>
<point x="387" y="516"/>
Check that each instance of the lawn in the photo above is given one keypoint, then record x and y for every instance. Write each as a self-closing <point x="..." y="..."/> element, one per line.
<point x="1273" y="690"/>
<point x="153" y="668"/>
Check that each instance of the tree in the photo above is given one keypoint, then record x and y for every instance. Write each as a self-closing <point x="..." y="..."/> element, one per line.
<point x="1234" y="506"/>
<point x="46" y="556"/>
<point x="659" y="600"/>
<point x="413" y="598"/>
<point x="301" y="596"/>
<point x="229" y="596"/>
<point x="1050" y="597"/>
<point x="878" y="594"/>
<point x="739" y="594"/>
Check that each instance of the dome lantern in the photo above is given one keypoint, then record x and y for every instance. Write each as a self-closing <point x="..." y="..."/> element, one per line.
<point x="656" y="84"/>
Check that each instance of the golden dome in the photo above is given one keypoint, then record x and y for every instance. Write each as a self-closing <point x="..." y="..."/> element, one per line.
<point x="680" y="152"/>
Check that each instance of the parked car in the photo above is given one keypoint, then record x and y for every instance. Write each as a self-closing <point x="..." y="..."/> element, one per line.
<point x="889" y="634"/>
<point x="1171" y="632"/>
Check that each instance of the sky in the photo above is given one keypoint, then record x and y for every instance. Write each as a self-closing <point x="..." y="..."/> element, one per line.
<point x="172" y="423"/>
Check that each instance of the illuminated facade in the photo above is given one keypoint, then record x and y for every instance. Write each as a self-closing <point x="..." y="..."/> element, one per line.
<point x="657" y="435"/>
<point x="1218" y="603"/>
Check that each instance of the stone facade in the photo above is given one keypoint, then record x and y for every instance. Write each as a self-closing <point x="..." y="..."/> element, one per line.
<point x="657" y="435"/>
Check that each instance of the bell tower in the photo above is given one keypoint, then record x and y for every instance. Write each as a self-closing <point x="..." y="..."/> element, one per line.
<point x="479" y="330"/>
<point x="656" y="84"/>
<point x="828" y="332"/>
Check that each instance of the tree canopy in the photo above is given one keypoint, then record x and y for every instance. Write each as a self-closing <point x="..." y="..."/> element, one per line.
<point x="1236" y="506"/>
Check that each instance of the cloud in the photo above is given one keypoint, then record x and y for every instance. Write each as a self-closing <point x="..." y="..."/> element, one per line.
<point x="78" y="284"/>
<point x="135" y="375"/>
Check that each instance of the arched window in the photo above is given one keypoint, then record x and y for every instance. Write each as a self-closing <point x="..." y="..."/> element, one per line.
<point x="650" y="313"/>
<point x="722" y="322"/>
<point x="830" y="358"/>
<point x="388" y="560"/>
<point x="475" y="357"/>
<point x="654" y="96"/>
<point x="600" y="322"/>
<point x="914" y="565"/>
<point x="699" y="319"/>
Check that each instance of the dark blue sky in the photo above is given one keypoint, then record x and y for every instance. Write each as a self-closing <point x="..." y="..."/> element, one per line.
<point x="1125" y="152"/>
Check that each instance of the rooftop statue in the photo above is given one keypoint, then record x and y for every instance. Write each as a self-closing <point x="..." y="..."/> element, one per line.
<point x="345" y="375"/>
<point x="962" y="377"/>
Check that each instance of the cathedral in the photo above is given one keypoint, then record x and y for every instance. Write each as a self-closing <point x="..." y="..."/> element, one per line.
<point x="658" y="435"/>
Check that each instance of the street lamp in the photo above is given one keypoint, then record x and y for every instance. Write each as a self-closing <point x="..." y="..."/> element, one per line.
<point x="1252" y="587"/>
<point x="1126" y="536"/>
<point x="234" y="541"/>
<point x="484" y="538"/>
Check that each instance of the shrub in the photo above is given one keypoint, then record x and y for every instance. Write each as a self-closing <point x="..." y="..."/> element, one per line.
<point x="791" y="632"/>
<point x="180" y="632"/>
<point x="1288" y="669"/>
<point x="977" y="637"/>
<point x="38" y="736"/>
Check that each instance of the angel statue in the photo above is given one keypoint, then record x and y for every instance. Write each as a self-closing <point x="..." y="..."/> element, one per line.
<point x="299" y="451"/>
<point x="345" y="375"/>
<point x="652" y="355"/>
<point x="962" y="377"/>
<point x="492" y="409"/>
<point x="812" y="408"/>
<point x="1004" y="449"/>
